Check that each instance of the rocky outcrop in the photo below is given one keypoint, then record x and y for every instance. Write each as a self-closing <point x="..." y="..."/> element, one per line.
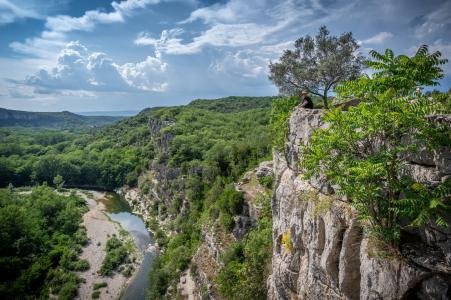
<point x="320" y="251"/>
<point x="252" y="189"/>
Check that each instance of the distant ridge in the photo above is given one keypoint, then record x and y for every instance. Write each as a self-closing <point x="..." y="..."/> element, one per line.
<point x="60" y="120"/>
<point x="110" y="113"/>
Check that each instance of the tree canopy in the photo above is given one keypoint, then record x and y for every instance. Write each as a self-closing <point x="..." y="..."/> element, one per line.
<point x="317" y="64"/>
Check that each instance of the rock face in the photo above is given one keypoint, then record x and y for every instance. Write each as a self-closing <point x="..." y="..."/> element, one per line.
<point x="320" y="251"/>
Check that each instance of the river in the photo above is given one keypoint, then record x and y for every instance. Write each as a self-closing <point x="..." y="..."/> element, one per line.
<point x="119" y="210"/>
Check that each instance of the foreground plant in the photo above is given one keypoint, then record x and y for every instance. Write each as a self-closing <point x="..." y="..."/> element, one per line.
<point x="364" y="150"/>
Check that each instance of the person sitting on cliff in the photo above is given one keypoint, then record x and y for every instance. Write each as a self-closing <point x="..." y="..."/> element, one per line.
<point x="306" y="100"/>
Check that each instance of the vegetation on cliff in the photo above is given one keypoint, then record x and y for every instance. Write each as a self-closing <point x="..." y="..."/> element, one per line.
<point x="364" y="150"/>
<point x="247" y="263"/>
<point x="212" y="149"/>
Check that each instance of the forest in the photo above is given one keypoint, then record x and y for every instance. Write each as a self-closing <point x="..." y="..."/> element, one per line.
<point x="41" y="239"/>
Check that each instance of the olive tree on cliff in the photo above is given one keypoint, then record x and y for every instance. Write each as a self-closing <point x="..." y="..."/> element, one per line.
<point x="364" y="150"/>
<point x="317" y="64"/>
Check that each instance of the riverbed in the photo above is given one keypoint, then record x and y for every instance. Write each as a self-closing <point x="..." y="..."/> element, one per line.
<point x="109" y="214"/>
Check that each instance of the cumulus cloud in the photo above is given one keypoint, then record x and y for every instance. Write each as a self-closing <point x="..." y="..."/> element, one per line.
<point x="79" y="69"/>
<point x="142" y="74"/>
<point x="379" y="38"/>
<point x="244" y="64"/>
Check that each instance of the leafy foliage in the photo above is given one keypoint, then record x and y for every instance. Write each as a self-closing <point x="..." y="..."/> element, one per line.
<point x="280" y="114"/>
<point x="400" y="73"/>
<point x="40" y="241"/>
<point x="364" y="150"/>
<point x="116" y="254"/>
<point x="317" y="64"/>
<point x="212" y="149"/>
<point x="247" y="263"/>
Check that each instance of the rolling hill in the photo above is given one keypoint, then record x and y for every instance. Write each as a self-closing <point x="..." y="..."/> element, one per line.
<point x="60" y="120"/>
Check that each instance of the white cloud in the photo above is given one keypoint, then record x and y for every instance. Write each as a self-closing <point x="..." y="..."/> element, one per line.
<point x="379" y="38"/>
<point x="64" y="23"/>
<point x="79" y="69"/>
<point x="244" y="63"/>
<point x="142" y="75"/>
<point x="233" y="11"/>
<point x="10" y="12"/>
<point x="43" y="46"/>
<point x="220" y="35"/>
<point x="239" y="23"/>
<point x="53" y="38"/>
<point x="278" y="48"/>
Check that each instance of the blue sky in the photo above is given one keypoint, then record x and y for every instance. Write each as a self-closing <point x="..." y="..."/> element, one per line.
<point x="98" y="55"/>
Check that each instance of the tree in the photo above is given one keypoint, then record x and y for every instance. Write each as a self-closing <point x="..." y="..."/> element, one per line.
<point x="363" y="150"/>
<point x="317" y="64"/>
<point x="58" y="181"/>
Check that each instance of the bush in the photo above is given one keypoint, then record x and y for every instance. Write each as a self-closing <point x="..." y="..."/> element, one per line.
<point x="128" y="271"/>
<point x="116" y="254"/>
<point x="226" y="220"/>
<point x="280" y="114"/>
<point x="68" y="291"/>
<point x="95" y="295"/>
<point x="81" y="265"/>
<point x="267" y="181"/>
<point x="247" y="263"/>
<point x="99" y="285"/>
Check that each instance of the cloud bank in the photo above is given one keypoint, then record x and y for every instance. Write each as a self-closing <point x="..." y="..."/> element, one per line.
<point x="79" y="69"/>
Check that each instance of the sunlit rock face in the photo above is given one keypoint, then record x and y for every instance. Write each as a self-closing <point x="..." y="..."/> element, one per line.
<point x="321" y="252"/>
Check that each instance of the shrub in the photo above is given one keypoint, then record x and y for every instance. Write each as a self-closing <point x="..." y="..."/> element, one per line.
<point x="116" y="254"/>
<point x="81" y="265"/>
<point x="128" y="271"/>
<point x="226" y="220"/>
<point x="95" y="295"/>
<point x="99" y="285"/>
<point x="280" y="113"/>
<point x="68" y="291"/>
<point x="267" y="181"/>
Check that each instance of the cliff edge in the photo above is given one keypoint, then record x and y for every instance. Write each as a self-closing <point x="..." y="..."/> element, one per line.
<point x="321" y="252"/>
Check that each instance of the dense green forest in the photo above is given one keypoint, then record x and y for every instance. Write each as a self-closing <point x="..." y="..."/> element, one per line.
<point x="115" y="155"/>
<point x="40" y="237"/>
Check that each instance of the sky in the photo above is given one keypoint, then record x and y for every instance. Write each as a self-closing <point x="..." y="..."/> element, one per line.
<point x="104" y="55"/>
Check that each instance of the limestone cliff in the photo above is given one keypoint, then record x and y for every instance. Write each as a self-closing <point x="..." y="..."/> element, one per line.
<point x="321" y="252"/>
